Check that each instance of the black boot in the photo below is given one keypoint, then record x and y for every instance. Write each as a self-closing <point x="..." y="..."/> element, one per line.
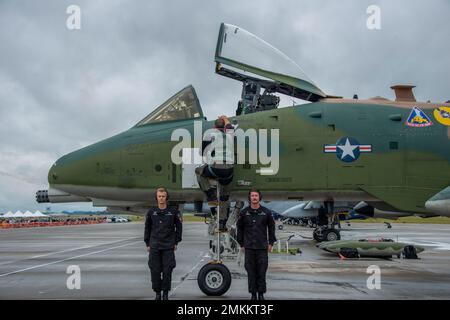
<point x="158" y="296"/>
<point x="253" y="296"/>
<point x="211" y="195"/>
<point x="261" y="296"/>
<point x="165" y="295"/>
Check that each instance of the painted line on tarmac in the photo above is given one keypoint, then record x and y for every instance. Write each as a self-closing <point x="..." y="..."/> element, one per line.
<point x="67" y="259"/>
<point x="83" y="247"/>
<point x="187" y="274"/>
<point x="68" y="250"/>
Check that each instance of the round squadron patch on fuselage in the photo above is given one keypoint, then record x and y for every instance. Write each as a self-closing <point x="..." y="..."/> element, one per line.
<point x="442" y="115"/>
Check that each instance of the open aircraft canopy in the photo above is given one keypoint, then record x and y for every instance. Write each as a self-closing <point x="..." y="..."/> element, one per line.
<point x="251" y="58"/>
<point x="183" y="105"/>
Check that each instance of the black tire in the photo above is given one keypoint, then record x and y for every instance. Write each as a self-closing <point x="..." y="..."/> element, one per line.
<point x="409" y="252"/>
<point x="316" y="236"/>
<point x="214" y="279"/>
<point x="280" y="227"/>
<point x="331" y="235"/>
<point x="351" y="253"/>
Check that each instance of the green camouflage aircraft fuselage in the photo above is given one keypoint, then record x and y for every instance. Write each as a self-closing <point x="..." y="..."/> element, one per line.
<point x="402" y="169"/>
<point x="394" y="155"/>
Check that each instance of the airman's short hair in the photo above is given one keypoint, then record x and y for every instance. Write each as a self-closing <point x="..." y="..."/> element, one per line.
<point x="256" y="191"/>
<point x="161" y="189"/>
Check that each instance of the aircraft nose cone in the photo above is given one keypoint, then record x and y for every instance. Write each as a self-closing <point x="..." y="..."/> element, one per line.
<point x="53" y="174"/>
<point x="360" y="205"/>
<point x="287" y="213"/>
<point x="363" y="209"/>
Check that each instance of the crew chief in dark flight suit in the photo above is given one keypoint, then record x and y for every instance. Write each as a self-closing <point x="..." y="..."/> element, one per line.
<point x="163" y="228"/>
<point x="256" y="235"/>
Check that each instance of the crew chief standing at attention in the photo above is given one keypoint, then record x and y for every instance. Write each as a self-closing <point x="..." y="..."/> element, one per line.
<point x="163" y="228"/>
<point x="256" y="235"/>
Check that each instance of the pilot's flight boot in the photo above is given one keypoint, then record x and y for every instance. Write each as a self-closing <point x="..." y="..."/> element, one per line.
<point x="206" y="184"/>
<point x="253" y="296"/>
<point x="165" y="295"/>
<point x="211" y="197"/>
<point x="158" y="296"/>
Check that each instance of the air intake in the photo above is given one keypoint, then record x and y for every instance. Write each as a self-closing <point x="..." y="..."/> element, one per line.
<point x="404" y="93"/>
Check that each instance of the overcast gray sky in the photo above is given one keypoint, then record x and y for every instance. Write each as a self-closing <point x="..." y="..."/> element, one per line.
<point x="63" y="89"/>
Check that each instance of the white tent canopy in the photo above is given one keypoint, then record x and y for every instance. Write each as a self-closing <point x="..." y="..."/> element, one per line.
<point x="9" y="214"/>
<point x="39" y="214"/>
<point x="27" y="214"/>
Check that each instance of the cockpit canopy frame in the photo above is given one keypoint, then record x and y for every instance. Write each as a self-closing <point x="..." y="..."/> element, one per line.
<point x="248" y="58"/>
<point x="182" y="105"/>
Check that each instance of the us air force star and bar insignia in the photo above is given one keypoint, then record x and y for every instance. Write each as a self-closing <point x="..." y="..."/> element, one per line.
<point x="417" y="118"/>
<point x="347" y="149"/>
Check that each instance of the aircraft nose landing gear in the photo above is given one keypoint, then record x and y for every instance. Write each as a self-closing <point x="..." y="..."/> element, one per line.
<point x="214" y="278"/>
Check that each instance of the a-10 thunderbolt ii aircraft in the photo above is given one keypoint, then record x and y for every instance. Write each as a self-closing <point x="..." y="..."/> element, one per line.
<point x="393" y="155"/>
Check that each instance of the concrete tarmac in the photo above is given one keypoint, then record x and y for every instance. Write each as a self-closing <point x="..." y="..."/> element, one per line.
<point x="112" y="261"/>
